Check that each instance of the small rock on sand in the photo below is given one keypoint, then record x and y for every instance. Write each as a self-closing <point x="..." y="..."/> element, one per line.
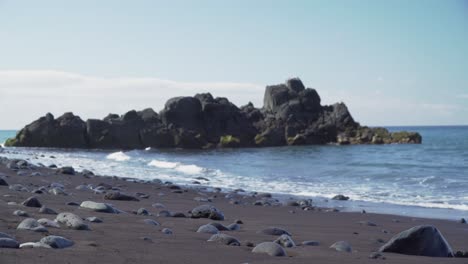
<point x="207" y="211"/>
<point x="208" y="229"/>
<point x="21" y="213"/>
<point x="151" y="222"/>
<point x="56" y="242"/>
<point x="31" y="224"/>
<point x="119" y="196"/>
<point x="46" y="210"/>
<point x="224" y="239"/>
<point x="99" y="207"/>
<point x="274" y="231"/>
<point x="93" y="219"/>
<point x="32" y="202"/>
<point x="342" y="246"/>
<point x="8" y="243"/>
<point x="269" y="248"/>
<point x="71" y="221"/>
<point x="310" y="243"/>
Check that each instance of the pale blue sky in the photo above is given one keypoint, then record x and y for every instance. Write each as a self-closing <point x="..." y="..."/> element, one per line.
<point x="392" y="62"/>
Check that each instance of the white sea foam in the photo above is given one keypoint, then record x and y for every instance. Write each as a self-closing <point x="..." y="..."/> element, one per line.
<point x="118" y="156"/>
<point x="189" y="169"/>
<point x="177" y="166"/>
<point x="163" y="164"/>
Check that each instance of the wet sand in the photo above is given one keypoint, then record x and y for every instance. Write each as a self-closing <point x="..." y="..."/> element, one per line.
<point x="119" y="238"/>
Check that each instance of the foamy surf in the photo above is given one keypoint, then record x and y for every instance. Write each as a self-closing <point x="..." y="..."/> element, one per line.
<point x="118" y="156"/>
<point x="187" y="169"/>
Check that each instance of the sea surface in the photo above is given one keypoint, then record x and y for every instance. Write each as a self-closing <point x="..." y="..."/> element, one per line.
<point x="427" y="180"/>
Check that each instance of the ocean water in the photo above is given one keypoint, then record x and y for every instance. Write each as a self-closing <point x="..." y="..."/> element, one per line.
<point x="427" y="180"/>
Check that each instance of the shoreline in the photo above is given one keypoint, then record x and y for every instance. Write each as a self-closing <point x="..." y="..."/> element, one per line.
<point x="388" y="208"/>
<point x="108" y="242"/>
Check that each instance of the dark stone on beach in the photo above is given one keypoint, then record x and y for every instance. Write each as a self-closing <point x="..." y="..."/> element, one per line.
<point x="3" y="182"/>
<point x="32" y="202"/>
<point x="340" y="197"/>
<point x="270" y="248"/>
<point x="119" y="196"/>
<point x="8" y="243"/>
<point x="224" y="239"/>
<point x="56" y="242"/>
<point x="274" y="231"/>
<point x="72" y="221"/>
<point x="66" y="170"/>
<point x="207" y="211"/>
<point x="422" y="240"/>
<point x="463" y="221"/>
<point x="72" y="204"/>
<point x="342" y="246"/>
<point x="285" y="241"/>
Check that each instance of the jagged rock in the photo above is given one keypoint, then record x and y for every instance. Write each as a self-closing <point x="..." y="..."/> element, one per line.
<point x="422" y="240"/>
<point x="292" y="115"/>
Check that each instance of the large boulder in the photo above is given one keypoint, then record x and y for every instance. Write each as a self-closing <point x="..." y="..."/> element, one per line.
<point x="422" y="240"/>
<point x="122" y="132"/>
<point x="67" y="131"/>
<point x="270" y="248"/>
<point x="185" y="112"/>
<point x="72" y="221"/>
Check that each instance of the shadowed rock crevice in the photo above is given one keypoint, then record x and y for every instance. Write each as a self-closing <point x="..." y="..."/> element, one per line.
<point x="292" y="115"/>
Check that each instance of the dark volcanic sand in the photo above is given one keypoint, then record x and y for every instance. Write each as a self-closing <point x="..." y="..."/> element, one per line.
<point x="119" y="238"/>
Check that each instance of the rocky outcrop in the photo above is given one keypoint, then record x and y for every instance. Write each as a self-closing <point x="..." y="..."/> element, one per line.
<point x="292" y="115"/>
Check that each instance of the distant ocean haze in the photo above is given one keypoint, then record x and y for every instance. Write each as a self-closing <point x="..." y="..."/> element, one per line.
<point x="428" y="180"/>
